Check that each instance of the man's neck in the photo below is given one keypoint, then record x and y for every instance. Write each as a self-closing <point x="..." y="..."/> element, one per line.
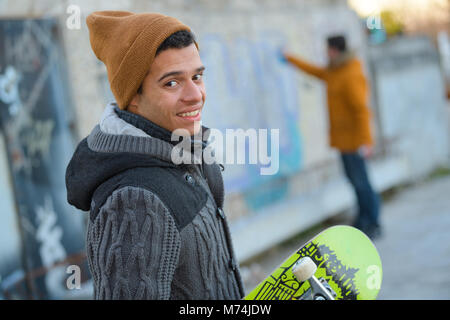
<point x="150" y="127"/>
<point x="341" y="59"/>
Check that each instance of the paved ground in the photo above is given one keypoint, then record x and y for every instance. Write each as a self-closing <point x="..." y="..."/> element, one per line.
<point x="415" y="247"/>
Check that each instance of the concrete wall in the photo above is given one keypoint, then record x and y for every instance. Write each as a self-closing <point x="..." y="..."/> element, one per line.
<point x="410" y="91"/>
<point x="239" y="42"/>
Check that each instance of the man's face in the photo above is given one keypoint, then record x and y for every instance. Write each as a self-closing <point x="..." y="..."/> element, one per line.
<point x="332" y="53"/>
<point x="173" y="91"/>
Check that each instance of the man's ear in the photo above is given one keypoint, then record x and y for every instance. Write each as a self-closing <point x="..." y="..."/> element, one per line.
<point x="134" y="104"/>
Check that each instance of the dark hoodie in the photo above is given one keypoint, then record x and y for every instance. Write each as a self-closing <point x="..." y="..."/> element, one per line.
<point x="156" y="230"/>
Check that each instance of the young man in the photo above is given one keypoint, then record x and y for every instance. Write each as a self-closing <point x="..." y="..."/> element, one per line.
<point x="156" y="229"/>
<point x="349" y="119"/>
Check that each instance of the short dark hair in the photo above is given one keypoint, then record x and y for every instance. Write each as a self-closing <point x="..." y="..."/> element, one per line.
<point x="338" y="42"/>
<point x="178" y="40"/>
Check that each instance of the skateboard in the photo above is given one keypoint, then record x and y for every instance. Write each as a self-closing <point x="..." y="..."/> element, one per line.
<point x="340" y="263"/>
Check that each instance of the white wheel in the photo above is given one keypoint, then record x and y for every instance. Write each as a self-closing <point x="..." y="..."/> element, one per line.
<point x="304" y="269"/>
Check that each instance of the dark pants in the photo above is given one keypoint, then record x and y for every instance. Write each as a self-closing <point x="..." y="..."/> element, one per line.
<point x="368" y="201"/>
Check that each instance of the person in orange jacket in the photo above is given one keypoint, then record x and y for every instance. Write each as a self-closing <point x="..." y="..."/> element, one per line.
<point x="349" y="119"/>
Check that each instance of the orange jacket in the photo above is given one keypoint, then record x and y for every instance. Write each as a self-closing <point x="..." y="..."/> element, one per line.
<point x="347" y="94"/>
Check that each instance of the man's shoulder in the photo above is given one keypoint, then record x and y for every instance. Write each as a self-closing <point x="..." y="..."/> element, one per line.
<point x="354" y="65"/>
<point x="173" y="187"/>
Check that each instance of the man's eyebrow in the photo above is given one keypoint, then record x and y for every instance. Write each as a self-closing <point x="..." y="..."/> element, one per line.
<point x="176" y="73"/>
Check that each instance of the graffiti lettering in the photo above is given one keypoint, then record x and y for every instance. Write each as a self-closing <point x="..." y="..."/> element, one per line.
<point x="51" y="251"/>
<point x="9" y="89"/>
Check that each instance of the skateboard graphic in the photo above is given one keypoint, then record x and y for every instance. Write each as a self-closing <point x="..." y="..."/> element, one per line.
<point x="340" y="263"/>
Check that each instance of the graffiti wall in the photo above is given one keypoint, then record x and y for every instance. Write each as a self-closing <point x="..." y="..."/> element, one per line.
<point x="249" y="87"/>
<point x="34" y="106"/>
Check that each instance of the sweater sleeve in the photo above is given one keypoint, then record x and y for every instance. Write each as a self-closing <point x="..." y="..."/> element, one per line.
<point x="133" y="247"/>
<point x="307" y="67"/>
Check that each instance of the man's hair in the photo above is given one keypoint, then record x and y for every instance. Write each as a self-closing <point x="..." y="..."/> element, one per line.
<point x="178" y="40"/>
<point x="338" y="42"/>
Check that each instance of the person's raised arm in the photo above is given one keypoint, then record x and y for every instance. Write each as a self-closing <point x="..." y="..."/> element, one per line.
<point x="305" y="66"/>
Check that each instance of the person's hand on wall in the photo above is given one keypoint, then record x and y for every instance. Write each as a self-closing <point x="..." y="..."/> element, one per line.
<point x="282" y="55"/>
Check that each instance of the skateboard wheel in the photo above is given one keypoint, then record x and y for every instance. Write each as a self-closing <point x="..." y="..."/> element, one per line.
<point x="304" y="269"/>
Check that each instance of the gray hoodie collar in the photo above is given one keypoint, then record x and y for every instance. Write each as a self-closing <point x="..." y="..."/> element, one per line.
<point x="114" y="134"/>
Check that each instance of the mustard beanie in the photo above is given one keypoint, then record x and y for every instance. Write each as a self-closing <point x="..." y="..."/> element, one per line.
<point x="126" y="43"/>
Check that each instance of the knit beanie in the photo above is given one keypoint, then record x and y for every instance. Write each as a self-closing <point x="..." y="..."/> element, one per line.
<point x="126" y="43"/>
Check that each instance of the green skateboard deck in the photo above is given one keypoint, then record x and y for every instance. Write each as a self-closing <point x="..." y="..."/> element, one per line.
<point x="348" y="266"/>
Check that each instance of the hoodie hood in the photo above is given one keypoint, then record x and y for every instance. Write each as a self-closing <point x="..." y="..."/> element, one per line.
<point x="88" y="169"/>
<point x="113" y="146"/>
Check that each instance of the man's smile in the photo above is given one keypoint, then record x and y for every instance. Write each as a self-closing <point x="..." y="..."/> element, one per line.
<point x="194" y="115"/>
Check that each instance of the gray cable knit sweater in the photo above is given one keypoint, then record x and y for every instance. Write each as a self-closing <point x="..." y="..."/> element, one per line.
<point x="156" y="230"/>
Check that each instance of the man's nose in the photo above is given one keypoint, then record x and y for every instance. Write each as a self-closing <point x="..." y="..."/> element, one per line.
<point x="193" y="92"/>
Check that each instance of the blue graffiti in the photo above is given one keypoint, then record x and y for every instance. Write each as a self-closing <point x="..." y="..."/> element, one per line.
<point x="248" y="86"/>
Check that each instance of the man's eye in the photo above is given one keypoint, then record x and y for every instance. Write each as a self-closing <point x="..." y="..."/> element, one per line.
<point x="171" y="84"/>
<point x="198" y="77"/>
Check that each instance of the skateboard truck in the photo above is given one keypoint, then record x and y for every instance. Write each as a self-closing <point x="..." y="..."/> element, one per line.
<point x="304" y="270"/>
